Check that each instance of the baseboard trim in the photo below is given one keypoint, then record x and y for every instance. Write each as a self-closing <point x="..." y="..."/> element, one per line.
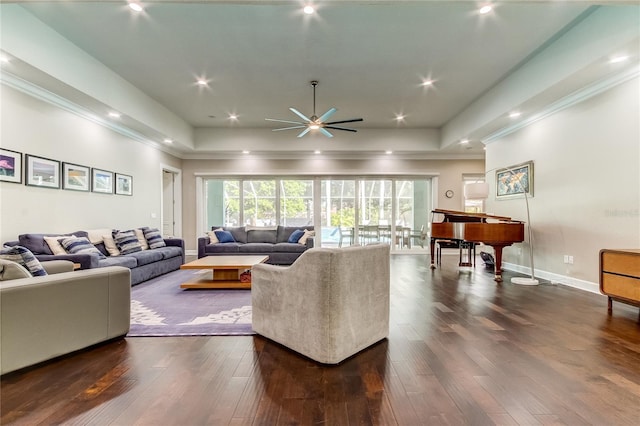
<point x="553" y="278"/>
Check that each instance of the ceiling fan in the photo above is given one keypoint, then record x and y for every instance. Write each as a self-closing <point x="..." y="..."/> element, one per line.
<point x="314" y="122"/>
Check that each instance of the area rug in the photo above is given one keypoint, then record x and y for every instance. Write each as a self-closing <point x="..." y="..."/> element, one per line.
<point x="159" y="307"/>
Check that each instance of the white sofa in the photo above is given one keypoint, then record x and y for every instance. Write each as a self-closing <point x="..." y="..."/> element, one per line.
<point x="329" y="305"/>
<point x="45" y="317"/>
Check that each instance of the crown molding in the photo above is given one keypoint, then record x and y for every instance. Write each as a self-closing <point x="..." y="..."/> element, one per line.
<point x="37" y="92"/>
<point x="568" y="101"/>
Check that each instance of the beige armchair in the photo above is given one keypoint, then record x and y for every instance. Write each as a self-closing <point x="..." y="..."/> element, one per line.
<point x="329" y="305"/>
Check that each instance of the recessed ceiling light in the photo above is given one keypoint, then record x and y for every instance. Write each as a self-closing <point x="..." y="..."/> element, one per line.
<point x="246" y="151"/>
<point x="427" y="83"/>
<point x="485" y="9"/>
<point x="464" y="141"/>
<point x="202" y="82"/>
<point x="317" y="151"/>
<point x="233" y="117"/>
<point x="388" y="152"/>
<point x="515" y="114"/>
<point x="114" y="114"/>
<point x="309" y="10"/>
<point x="618" y="59"/>
<point x="167" y="140"/>
<point x="135" y="6"/>
<point x="400" y="117"/>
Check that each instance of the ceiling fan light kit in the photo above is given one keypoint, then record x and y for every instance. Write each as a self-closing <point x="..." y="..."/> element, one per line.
<point x="314" y="122"/>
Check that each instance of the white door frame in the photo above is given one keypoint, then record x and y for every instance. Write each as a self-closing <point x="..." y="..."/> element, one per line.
<point x="177" y="197"/>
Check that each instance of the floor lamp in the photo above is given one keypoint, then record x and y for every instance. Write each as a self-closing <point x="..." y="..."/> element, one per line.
<point x="480" y="191"/>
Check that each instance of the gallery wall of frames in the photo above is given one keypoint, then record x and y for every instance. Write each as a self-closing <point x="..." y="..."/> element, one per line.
<point x="47" y="173"/>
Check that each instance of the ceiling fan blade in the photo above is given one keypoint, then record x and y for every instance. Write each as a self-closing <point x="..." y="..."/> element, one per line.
<point x="283" y="121"/>
<point x="340" y="128"/>
<point x="304" y="132"/>
<point x="325" y="132"/>
<point x="288" y="128"/>
<point x="326" y="115"/>
<point x="346" y="121"/>
<point x="299" y="114"/>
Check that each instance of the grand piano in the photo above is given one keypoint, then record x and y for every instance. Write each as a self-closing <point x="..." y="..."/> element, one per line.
<point x="465" y="227"/>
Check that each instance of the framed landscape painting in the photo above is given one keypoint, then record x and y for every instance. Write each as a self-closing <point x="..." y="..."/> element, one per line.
<point x="42" y="172"/>
<point x="10" y="166"/>
<point x="75" y="177"/>
<point x="102" y="181"/>
<point x="124" y="184"/>
<point x="515" y="181"/>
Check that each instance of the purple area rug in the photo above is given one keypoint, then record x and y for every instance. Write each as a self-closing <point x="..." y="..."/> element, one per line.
<point x="159" y="307"/>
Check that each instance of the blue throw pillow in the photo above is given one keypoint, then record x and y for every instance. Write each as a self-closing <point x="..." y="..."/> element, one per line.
<point x="154" y="238"/>
<point x="295" y="236"/>
<point x="24" y="257"/>
<point x="80" y="245"/>
<point x="127" y="242"/>
<point x="224" y="237"/>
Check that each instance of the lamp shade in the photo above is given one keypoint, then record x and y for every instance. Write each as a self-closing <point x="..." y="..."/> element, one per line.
<point x="476" y="191"/>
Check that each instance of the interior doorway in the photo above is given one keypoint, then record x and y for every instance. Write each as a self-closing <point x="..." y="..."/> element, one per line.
<point x="171" y="202"/>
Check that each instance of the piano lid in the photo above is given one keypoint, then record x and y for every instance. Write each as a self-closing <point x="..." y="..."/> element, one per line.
<point x="453" y="214"/>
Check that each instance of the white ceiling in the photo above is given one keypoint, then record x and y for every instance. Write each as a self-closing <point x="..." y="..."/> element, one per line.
<point x="370" y="57"/>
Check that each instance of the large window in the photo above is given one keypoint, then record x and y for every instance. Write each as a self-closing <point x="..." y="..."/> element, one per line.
<point x="296" y="202"/>
<point x="352" y="211"/>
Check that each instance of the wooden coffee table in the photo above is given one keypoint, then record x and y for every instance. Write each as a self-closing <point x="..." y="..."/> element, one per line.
<point x="226" y="271"/>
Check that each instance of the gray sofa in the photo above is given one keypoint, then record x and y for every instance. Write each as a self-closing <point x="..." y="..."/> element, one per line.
<point x="45" y="317"/>
<point x="144" y="265"/>
<point x="255" y="241"/>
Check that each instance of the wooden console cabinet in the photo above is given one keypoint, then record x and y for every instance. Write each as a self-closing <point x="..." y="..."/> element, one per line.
<point x="620" y="276"/>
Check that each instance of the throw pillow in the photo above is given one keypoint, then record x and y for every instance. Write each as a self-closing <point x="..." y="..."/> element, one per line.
<point x="224" y="237"/>
<point x="295" y="236"/>
<point x="154" y="238"/>
<point x="54" y="244"/>
<point x="127" y="242"/>
<point x="305" y="237"/>
<point x="212" y="236"/>
<point x="80" y="245"/>
<point x="140" y="234"/>
<point x="110" y="245"/>
<point x="23" y="256"/>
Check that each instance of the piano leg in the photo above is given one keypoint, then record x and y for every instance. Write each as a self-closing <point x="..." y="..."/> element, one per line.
<point x="498" y="266"/>
<point x="432" y="245"/>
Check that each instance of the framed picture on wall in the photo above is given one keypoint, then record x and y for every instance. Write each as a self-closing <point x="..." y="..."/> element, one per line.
<point x="101" y="181"/>
<point x="42" y="172"/>
<point x="75" y="177"/>
<point x="10" y="166"/>
<point x="515" y="181"/>
<point x="124" y="184"/>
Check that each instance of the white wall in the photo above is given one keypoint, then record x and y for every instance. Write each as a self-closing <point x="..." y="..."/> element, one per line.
<point x="38" y="128"/>
<point x="586" y="185"/>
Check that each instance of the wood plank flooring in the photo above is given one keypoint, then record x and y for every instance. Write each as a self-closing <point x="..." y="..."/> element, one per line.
<point x="462" y="350"/>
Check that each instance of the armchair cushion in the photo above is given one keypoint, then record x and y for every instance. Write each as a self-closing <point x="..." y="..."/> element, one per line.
<point x="11" y="270"/>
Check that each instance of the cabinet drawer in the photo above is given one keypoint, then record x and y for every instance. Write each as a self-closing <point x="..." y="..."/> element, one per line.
<point x="619" y="286"/>
<point x="623" y="263"/>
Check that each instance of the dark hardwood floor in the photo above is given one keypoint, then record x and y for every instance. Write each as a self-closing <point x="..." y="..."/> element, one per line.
<point x="462" y="350"/>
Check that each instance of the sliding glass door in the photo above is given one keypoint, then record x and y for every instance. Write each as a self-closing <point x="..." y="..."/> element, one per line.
<point x="352" y="211"/>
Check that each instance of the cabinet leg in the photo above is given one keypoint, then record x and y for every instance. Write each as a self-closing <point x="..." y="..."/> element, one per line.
<point x="609" y="305"/>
